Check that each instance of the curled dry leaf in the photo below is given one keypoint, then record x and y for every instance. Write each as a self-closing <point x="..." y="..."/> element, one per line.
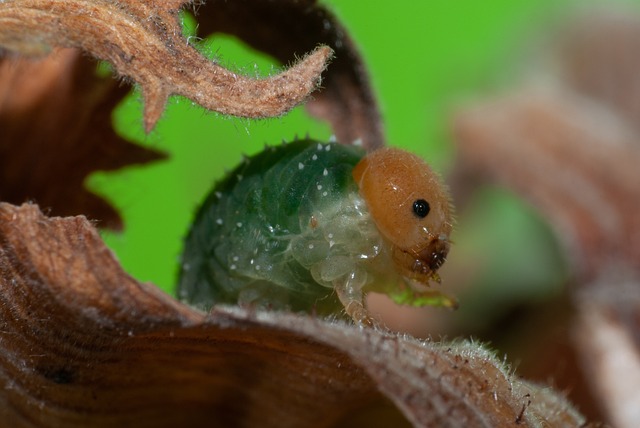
<point x="569" y="157"/>
<point x="286" y="28"/>
<point x="143" y="41"/>
<point x="597" y="56"/>
<point x="573" y="150"/>
<point x="578" y="164"/>
<point x="609" y="344"/>
<point x="86" y="345"/>
<point x="56" y="107"/>
<point x="55" y="129"/>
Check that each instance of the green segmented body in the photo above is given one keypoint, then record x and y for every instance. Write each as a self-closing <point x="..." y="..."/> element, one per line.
<point x="263" y="232"/>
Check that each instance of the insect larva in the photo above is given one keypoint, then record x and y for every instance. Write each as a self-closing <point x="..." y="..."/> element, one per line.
<point x="309" y="218"/>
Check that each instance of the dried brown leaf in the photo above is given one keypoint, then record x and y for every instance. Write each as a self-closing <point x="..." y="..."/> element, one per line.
<point x="55" y="129"/>
<point x="572" y="149"/>
<point x="288" y="28"/>
<point x="86" y="345"/>
<point x="608" y="340"/>
<point x="572" y="159"/>
<point x="599" y="55"/>
<point x="55" y="113"/>
<point x="143" y="41"/>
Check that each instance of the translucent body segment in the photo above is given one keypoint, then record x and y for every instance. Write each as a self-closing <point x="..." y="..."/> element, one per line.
<point x="256" y="231"/>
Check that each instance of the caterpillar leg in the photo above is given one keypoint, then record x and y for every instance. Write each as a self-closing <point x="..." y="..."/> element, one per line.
<point x="352" y="300"/>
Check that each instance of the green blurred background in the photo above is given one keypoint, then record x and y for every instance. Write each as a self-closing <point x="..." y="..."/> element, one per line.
<point x="424" y="58"/>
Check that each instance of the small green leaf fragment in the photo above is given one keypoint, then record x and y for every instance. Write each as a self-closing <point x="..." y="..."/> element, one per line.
<point x="409" y="297"/>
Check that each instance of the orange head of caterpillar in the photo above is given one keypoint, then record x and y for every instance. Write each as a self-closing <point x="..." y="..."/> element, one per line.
<point x="410" y="207"/>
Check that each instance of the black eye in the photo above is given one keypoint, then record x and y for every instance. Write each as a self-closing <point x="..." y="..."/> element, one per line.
<point x="421" y="208"/>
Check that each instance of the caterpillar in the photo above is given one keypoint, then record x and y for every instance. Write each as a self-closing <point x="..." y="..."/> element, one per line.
<point x="309" y="226"/>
